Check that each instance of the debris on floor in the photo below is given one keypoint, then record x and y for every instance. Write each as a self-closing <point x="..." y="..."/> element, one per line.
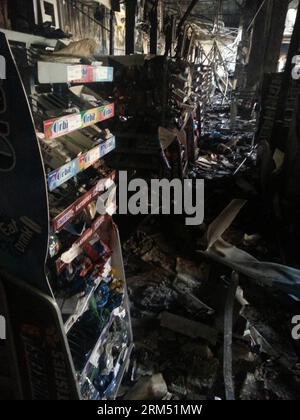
<point x="178" y="322"/>
<point x="198" y="335"/>
<point x="148" y="388"/>
<point x="179" y="297"/>
<point x="225" y="152"/>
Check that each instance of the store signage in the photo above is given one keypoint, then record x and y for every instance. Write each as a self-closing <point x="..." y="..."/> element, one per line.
<point x="63" y="219"/>
<point x="65" y="125"/>
<point x="89" y="158"/>
<point x="62" y="175"/>
<point x="76" y="73"/>
<point x="108" y="146"/>
<point x="90" y="117"/>
<point x="57" y="127"/>
<point x="107" y="112"/>
<point x="102" y="73"/>
<point x="89" y="74"/>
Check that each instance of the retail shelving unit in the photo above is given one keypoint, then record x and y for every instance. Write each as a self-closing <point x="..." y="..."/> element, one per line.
<point x="62" y="282"/>
<point x="155" y="132"/>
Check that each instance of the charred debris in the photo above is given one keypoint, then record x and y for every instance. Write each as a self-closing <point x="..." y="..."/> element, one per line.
<point x="212" y="305"/>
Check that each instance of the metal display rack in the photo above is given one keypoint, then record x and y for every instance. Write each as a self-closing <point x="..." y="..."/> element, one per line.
<point x="159" y="101"/>
<point x="45" y="319"/>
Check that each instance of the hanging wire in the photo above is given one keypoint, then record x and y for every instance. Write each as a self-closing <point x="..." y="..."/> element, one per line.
<point x="256" y="14"/>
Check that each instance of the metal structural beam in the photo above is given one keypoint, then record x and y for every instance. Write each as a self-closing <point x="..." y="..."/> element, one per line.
<point x="279" y="13"/>
<point x="279" y="132"/>
<point x="131" y="6"/>
<point x="112" y="33"/>
<point x="267" y="36"/>
<point x="154" y="28"/>
<point x="259" y="41"/>
<point x="206" y="10"/>
<point x="186" y="15"/>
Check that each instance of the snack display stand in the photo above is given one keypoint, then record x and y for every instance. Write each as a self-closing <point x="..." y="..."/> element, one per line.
<point x="62" y="283"/>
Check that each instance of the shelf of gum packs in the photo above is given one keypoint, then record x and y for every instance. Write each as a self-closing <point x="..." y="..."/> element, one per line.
<point x="85" y="260"/>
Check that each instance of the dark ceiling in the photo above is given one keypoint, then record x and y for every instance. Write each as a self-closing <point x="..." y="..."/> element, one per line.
<point x="207" y="10"/>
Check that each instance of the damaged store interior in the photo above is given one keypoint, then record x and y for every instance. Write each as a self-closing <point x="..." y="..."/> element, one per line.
<point x="150" y="200"/>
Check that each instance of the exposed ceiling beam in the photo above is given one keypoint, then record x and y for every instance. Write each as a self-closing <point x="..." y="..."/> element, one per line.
<point x="186" y="15"/>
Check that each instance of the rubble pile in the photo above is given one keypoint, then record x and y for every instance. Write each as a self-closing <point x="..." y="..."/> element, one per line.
<point x="212" y="305"/>
<point x="178" y="306"/>
<point x="226" y="148"/>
